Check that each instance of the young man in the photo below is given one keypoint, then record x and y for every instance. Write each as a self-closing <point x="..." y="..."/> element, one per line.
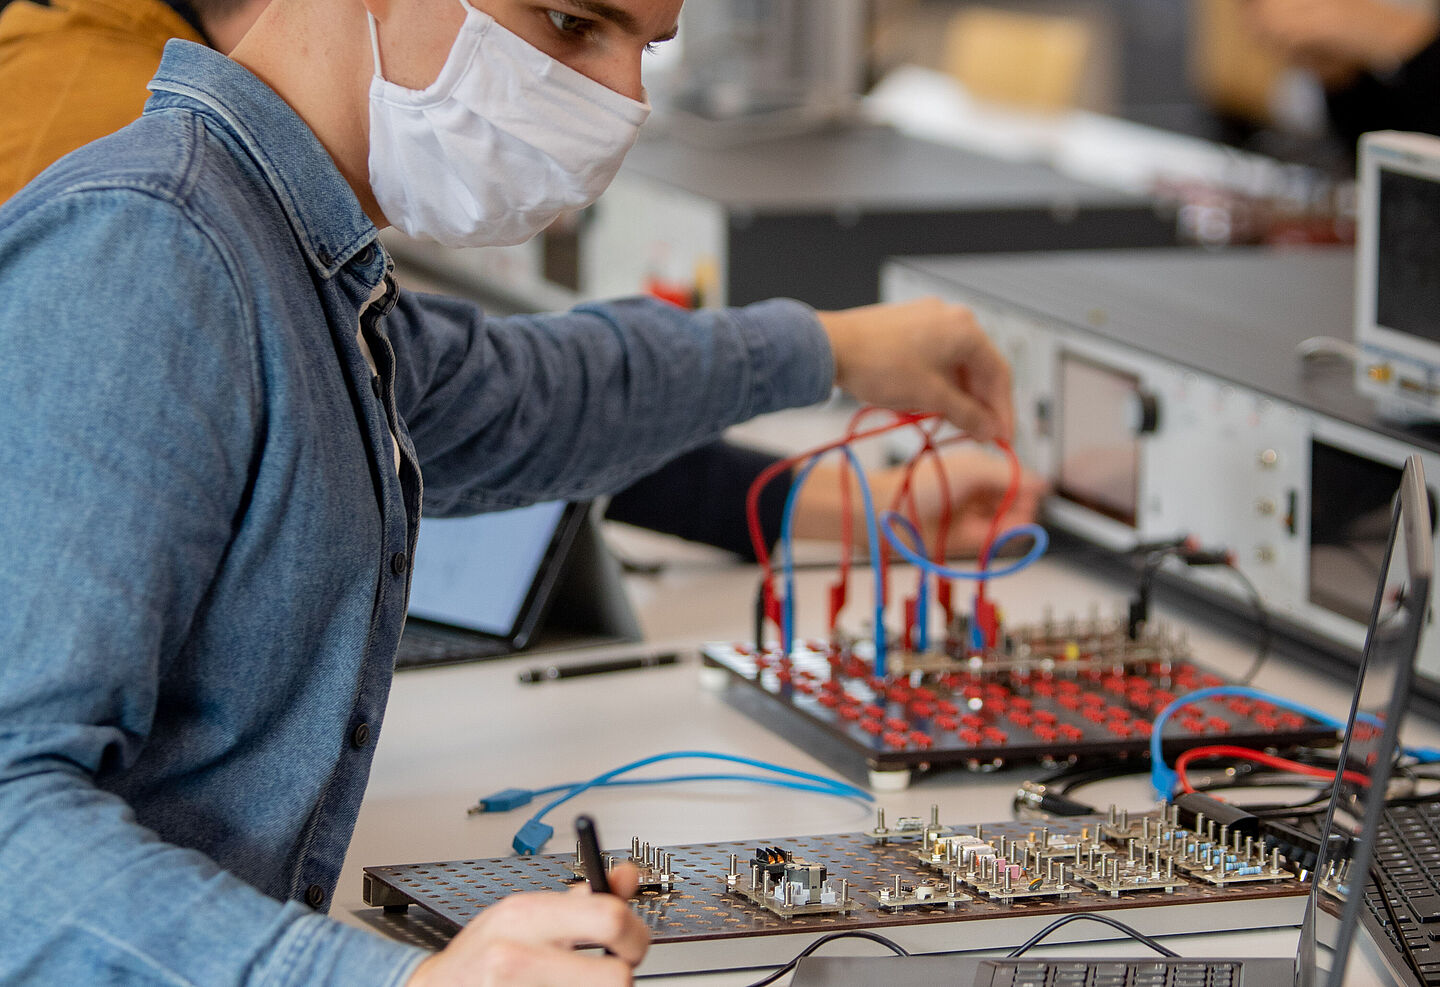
<point x="216" y="412"/>
<point x="77" y="70"/>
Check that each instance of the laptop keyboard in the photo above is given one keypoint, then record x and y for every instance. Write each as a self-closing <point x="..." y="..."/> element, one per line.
<point x="421" y="645"/>
<point x="1061" y="973"/>
<point x="1407" y="886"/>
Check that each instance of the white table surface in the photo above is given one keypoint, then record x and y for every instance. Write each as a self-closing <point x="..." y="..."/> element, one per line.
<point x="453" y="734"/>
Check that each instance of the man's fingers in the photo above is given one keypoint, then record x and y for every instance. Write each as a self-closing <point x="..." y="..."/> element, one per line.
<point x="514" y="961"/>
<point x="924" y="355"/>
<point x="963" y="409"/>
<point x="985" y="374"/>
<point x="578" y="917"/>
<point x="978" y="397"/>
<point x="530" y="940"/>
<point x="608" y="920"/>
<point x="624" y="879"/>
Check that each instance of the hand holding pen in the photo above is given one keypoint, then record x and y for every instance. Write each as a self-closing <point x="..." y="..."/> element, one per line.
<point x="593" y="862"/>
<point x="530" y="940"/>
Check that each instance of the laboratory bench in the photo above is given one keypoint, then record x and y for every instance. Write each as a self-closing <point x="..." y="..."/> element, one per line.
<point x="457" y="733"/>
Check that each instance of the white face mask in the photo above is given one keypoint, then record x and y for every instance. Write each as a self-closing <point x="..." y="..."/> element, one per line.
<point x="503" y="142"/>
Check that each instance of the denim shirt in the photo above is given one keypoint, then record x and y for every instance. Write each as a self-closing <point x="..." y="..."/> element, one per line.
<point x="208" y="544"/>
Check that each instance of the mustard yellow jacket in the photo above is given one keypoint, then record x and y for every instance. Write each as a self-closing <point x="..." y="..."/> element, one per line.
<point x="50" y="59"/>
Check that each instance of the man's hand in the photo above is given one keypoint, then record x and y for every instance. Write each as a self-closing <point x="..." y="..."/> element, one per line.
<point x="923" y="356"/>
<point x="977" y="482"/>
<point x="529" y="940"/>
<point x="1378" y="35"/>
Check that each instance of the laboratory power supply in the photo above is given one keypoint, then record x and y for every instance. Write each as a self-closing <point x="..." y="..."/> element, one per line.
<point x="1192" y="393"/>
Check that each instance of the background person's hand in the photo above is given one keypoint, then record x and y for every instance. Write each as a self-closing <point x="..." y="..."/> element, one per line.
<point x="977" y="480"/>
<point x="529" y="940"/>
<point x="925" y="356"/>
<point x="1373" y="35"/>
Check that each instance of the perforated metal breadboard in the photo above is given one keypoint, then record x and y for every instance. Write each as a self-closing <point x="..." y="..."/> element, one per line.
<point x="701" y="910"/>
<point x="1086" y="691"/>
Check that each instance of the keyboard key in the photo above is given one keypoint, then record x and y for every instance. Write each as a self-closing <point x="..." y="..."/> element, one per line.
<point x="1425" y="906"/>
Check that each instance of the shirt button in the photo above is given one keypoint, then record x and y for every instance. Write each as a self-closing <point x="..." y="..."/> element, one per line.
<point x="360" y="736"/>
<point x="375" y="385"/>
<point x="314" y="896"/>
<point x="366" y="255"/>
<point x="397" y="563"/>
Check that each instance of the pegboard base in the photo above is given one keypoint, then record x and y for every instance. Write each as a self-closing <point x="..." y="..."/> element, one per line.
<point x="700" y="926"/>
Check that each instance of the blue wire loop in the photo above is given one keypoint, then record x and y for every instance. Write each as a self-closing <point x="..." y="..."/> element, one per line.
<point x="805" y="780"/>
<point x="890" y="520"/>
<point x="796" y="786"/>
<point x="887" y="523"/>
<point x="787" y="540"/>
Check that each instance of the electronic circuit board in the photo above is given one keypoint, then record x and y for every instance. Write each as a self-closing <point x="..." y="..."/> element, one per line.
<point x="1051" y="691"/>
<point x="930" y="887"/>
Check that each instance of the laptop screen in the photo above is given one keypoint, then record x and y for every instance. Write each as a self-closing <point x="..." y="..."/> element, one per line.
<point x="478" y="572"/>
<point x="1397" y="617"/>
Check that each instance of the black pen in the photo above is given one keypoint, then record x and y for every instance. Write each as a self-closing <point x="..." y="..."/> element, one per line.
<point x="590" y="859"/>
<point x="548" y="673"/>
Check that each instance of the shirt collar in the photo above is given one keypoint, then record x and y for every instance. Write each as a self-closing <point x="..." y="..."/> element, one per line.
<point x="320" y="205"/>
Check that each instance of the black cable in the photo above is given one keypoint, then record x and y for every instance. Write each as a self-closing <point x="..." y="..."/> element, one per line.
<point x="1138" y="936"/>
<point x="1251" y="776"/>
<point x="894" y="947"/>
<point x="1301" y="810"/>
<point x="1068" y="777"/>
<point x="1155" y="556"/>
<point x="1057" y="785"/>
<point x="1409" y="770"/>
<point x="1316" y="803"/>
<point x="1262" y="780"/>
<point x="1414" y="776"/>
<point x="1090" y="776"/>
<point x="1241" y="774"/>
<point x="1066" y="780"/>
<point x="1063" y="789"/>
<point x="1243" y="769"/>
<point x="1262" y="618"/>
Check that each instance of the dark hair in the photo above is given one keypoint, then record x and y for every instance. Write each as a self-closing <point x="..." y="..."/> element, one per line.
<point x="209" y="9"/>
<point x="199" y="12"/>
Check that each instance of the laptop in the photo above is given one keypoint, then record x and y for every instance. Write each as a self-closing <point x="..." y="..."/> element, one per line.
<point x="1342" y="871"/>
<point x="492" y="585"/>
